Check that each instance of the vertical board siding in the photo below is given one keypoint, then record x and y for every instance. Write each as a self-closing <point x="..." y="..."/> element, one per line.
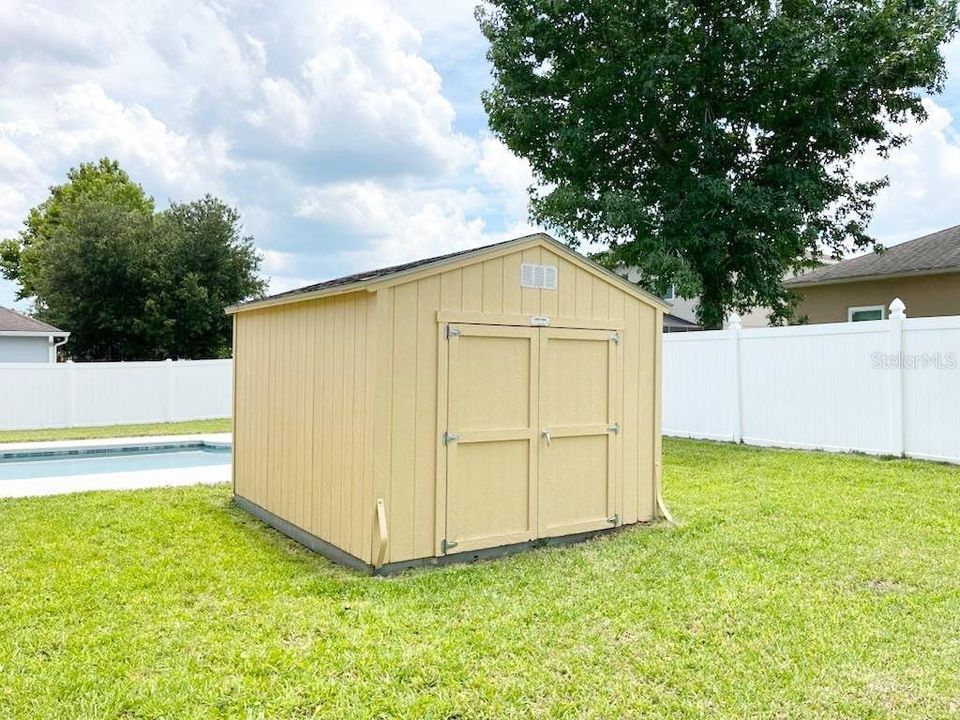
<point x="493" y="286"/>
<point x="512" y="304"/>
<point x="407" y="434"/>
<point x="632" y="404"/>
<point x="424" y="473"/>
<point x="404" y="433"/>
<point x="303" y="389"/>
<point x="646" y="368"/>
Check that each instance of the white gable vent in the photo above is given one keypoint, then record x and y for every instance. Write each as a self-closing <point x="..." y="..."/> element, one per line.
<point x="538" y="276"/>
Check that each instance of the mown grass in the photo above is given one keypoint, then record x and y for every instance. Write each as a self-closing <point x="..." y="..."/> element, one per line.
<point x="83" y="433"/>
<point x="798" y="585"/>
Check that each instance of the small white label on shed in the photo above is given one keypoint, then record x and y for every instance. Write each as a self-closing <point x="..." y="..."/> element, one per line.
<point x="540" y="321"/>
<point x="543" y="277"/>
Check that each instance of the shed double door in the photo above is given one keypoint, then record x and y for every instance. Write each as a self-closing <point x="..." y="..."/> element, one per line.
<point x="531" y="433"/>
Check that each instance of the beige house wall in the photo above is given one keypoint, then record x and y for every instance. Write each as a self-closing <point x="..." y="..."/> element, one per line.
<point x="924" y="296"/>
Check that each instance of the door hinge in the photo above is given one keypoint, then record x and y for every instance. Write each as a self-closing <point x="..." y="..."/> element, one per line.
<point x="615" y="337"/>
<point x="452" y="332"/>
<point x="445" y="545"/>
<point x="614" y="428"/>
<point x="614" y="520"/>
<point x="449" y="437"/>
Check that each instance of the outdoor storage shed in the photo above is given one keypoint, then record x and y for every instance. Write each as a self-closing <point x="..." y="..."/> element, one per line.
<point x="450" y="408"/>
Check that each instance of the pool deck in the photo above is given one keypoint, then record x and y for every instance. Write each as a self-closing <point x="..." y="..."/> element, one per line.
<point x="60" y="485"/>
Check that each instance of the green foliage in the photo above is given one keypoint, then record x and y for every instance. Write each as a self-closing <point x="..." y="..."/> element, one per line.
<point x="212" y="265"/>
<point x="103" y="181"/>
<point x="127" y="282"/>
<point x="797" y="585"/>
<point x="710" y="143"/>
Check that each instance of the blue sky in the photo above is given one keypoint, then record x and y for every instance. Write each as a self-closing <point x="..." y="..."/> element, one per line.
<point x="349" y="134"/>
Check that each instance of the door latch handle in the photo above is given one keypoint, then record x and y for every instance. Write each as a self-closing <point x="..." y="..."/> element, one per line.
<point x="546" y="435"/>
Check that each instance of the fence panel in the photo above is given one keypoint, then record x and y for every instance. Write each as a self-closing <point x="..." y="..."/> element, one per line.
<point x="697" y="370"/>
<point x="882" y="387"/>
<point x="77" y="394"/>
<point x="812" y="387"/>
<point x="931" y="388"/>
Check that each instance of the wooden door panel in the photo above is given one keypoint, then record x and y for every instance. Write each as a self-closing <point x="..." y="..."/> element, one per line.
<point x="576" y="371"/>
<point x="493" y="381"/>
<point x="575" y="471"/>
<point x="489" y="498"/>
<point x="492" y="397"/>
<point x="578" y="411"/>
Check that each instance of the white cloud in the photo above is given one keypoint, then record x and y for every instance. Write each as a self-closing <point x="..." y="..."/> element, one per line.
<point x="322" y="121"/>
<point x="924" y="191"/>
<point x="506" y="173"/>
<point x="362" y="94"/>
<point x="404" y="223"/>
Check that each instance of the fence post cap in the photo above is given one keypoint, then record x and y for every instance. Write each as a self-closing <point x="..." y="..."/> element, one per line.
<point x="734" y="321"/>
<point x="897" y="308"/>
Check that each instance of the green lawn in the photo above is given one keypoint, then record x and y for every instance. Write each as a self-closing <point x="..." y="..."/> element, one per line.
<point x="111" y="431"/>
<point x="797" y="585"/>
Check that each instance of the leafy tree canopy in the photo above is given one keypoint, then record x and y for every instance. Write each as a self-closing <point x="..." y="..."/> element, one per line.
<point x="130" y="283"/>
<point x="710" y="142"/>
<point x="101" y="181"/>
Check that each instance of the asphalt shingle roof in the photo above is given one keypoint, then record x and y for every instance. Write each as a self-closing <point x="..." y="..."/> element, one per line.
<point x="379" y="272"/>
<point x="937" y="252"/>
<point x="12" y="321"/>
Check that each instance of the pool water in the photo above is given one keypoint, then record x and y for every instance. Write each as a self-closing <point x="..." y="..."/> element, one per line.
<point x="97" y="463"/>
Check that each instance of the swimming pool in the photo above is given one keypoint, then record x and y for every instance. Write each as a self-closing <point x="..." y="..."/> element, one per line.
<point x="95" y="462"/>
<point x="58" y="467"/>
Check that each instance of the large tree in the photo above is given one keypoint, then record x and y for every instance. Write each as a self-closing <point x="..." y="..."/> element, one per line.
<point x="130" y="283"/>
<point x="710" y="142"/>
<point x="211" y="265"/>
<point x="95" y="182"/>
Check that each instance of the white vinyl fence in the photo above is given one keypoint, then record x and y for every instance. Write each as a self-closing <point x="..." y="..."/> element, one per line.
<point x="881" y="387"/>
<point x="76" y="394"/>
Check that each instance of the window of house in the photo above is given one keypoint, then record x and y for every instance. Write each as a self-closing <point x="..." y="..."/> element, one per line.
<point x="867" y="312"/>
<point x="671" y="293"/>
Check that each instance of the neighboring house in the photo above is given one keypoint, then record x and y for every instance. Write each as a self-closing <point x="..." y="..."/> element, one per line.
<point x="25" y="340"/>
<point x="683" y="311"/>
<point x="924" y="273"/>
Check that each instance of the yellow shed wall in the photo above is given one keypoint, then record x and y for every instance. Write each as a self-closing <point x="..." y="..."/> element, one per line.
<point x="407" y="436"/>
<point x="304" y="415"/>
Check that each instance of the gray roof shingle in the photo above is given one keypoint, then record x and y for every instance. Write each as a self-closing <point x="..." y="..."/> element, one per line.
<point x="12" y="321"/>
<point x="937" y="252"/>
<point x="380" y="272"/>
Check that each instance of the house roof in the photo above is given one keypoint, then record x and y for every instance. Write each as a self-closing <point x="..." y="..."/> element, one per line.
<point x="397" y="273"/>
<point x="675" y="321"/>
<point x="938" y="252"/>
<point x="13" y="322"/>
